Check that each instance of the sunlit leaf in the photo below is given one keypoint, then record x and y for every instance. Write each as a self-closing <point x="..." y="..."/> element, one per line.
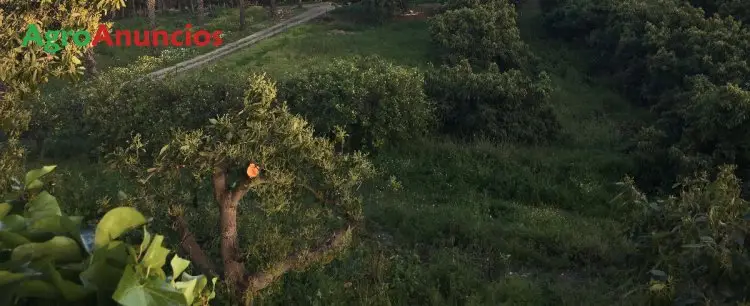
<point x="44" y="204"/>
<point x="34" y="175"/>
<point x="178" y="266"/>
<point x="156" y="255"/>
<point x="136" y="289"/>
<point x="116" y="222"/>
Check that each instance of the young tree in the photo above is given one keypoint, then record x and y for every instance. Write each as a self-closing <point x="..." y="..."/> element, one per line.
<point x="151" y="7"/>
<point x="201" y="12"/>
<point x="23" y="69"/>
<point x="272" y="7"/>
<point x="242" y="13"/>
<point x="256" y="157"/>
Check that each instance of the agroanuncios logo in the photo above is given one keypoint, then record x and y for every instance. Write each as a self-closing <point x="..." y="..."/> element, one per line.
<point x="53" y="41"/>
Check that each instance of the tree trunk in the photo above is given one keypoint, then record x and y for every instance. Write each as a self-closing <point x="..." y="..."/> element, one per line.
<point x="245" y="285"/>
<point x="201" y="12"/>
<point x="90" y="63"/>
<point x="134" y="8"/>
<point x="151" y="8"/>
<point x="242" y="14"/>
<point x="272" y="4"/>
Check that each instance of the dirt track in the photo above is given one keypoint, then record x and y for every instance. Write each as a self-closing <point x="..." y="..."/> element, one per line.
<point x="313" y="11"/>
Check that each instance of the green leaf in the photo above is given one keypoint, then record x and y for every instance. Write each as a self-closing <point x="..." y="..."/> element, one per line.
<point x="156" y="255"/>
<point x="101" y="275"/>
<point x="5" y="209"/>
<point x="115" y="252"/>
<point x="70" y="290"/>
<point x="178" y="266"/>
<point x="37" y="289"/>
<point x="12" y="240"/>
<point x="146" y="241"/>
<point x="115" y="223"/>
<point x="188" y="290"/>
<point x="37" y="174"/>
<point x="44" y="204"/>
<point x="48" y="224"/>
<point x="200" y="281"/>
<point x="35" y="184"/>
<point x="135" y="289"/>
<point x="13" y="223"/>
<point x="9" y="277"/>
<point x="61" y="249"/>
<point x="163" y="149"/>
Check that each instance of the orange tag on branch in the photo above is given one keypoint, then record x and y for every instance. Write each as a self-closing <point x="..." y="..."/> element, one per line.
<point x="252" y="170"/>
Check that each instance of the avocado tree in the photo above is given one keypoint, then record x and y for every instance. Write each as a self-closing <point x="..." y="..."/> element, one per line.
<point x="23" y="69"/>
<point x="257" y="159"/>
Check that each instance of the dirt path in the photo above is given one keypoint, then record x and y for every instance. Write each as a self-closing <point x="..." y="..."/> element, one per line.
<point x="313" y="11"/>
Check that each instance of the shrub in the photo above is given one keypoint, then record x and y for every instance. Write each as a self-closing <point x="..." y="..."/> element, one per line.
<point x="693" y="245"/>
<point x="505" y="106"/>
<point x="373" y="100"/>
<point x="47" y="257"/>
<point x="484" y="34"/>
<point x="102" y="114"/>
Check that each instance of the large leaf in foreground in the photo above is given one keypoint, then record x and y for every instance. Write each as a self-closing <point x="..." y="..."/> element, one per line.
<point x="116" y="222"/>
<point x="135" y="289"/>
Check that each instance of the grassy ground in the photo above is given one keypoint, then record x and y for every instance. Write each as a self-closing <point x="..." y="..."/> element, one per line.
<point x="315" y="43"/>
<point x="471" y="223"/>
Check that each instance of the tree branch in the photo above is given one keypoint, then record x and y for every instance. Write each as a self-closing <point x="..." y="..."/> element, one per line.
<point x="192" y="248"/>
<point x="299" y="260"/>
<point x="220" y="184"/>
<point x="236" y="195"/>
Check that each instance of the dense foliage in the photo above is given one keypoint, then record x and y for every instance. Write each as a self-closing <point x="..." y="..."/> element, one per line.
<point x="180" y="139"/>
<point x="657" y="50"/>
<point x="47" y="257"/>
<point x="374" y="101"/>
<point x="691" y="69"/>
<point x="101" y="114"/>
<point x="736" y="8"/>
<point x="504" y="106"/>
<point x="693" y="244"/>
<point x="23" y="69"/>
<point x="255" y="157"/>
<point x="481" y="32"/>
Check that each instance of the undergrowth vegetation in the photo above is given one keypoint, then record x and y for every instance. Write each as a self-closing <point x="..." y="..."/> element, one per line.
<point x="495" y="134"/>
